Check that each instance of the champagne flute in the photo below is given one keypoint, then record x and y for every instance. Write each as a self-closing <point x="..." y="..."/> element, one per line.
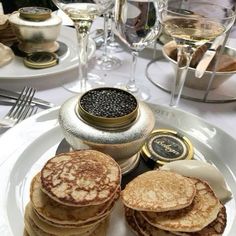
<point x="113" y="45"/>
<point x="137" y="26"/>
<point x="105" y="61"/>
<point x="191" y="24"/>
<point x="83" y="13"/>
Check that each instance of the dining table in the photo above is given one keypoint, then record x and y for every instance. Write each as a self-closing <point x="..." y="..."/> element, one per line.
<point x="50" y="87"/>
<point x="219" y="116"/>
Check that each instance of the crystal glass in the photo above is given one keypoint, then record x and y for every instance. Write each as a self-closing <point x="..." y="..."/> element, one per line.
<point x="113" y="45"/>
<point x="106" y="61"/>
<point x="191" y="24"/>
<point x="137" y="26"/>
<point x="83" y="13"/>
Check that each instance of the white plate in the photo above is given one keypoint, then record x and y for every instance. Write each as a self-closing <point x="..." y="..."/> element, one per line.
<point x="68" y="61"/>
<point x="27" y="146"/>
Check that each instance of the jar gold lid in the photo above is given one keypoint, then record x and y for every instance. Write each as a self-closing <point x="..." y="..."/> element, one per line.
<point x="40" y="60"/>
<point x="35" y="13"/>
<point x="164" y="145"/>
<point x="108" y="107"/>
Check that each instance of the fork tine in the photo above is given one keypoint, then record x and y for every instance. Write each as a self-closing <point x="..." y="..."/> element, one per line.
<point x="28" y="111"/>
<point x="26" y="100"/>
<point x="21" y="109"/>
<point x="17" y="103"/>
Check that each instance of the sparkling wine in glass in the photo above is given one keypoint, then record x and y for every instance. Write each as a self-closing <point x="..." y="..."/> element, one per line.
<point x="191" y="24"/>
<point x="137" y="27"/>
<point x="82" y="13"/>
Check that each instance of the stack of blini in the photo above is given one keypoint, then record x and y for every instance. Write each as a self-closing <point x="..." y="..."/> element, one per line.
<point x="161" y="203"/>
<point x="73" y="195"/>
<point x="7" y="35"/>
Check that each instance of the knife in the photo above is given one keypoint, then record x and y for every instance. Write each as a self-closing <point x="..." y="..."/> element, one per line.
<point x="208" y="56"/>
<point x="14" y="95"/>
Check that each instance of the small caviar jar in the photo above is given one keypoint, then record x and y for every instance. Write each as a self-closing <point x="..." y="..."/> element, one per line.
<point x="109" y="120"/>
<point x="164" y="145"/>
<point x="36" y="29"/>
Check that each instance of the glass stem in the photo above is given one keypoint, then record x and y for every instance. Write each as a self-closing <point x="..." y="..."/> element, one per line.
<point x="184" y="56"/>
<point x="106" y="19"/>
<point x="131" y="85"/>
<point x="82" y="30"/>
<point x="112" y="36"/>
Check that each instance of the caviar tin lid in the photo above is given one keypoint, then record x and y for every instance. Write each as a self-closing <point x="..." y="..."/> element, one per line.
<point x="164" y="146"/>
<point x="39" y="60"/>
<point x="108" y="107"/>
<point x="35" y="13"/>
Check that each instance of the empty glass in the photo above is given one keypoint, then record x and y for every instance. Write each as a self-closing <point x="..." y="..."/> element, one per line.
<point x="137" y="26"/>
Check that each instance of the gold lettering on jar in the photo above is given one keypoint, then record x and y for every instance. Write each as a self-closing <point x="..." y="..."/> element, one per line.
<point x="167" y="147"/>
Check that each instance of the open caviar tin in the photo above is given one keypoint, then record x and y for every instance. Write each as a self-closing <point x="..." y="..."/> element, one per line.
<point x="108" y="107"/>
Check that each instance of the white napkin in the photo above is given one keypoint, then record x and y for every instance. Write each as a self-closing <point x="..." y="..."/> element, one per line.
<point x="6" y="55"/>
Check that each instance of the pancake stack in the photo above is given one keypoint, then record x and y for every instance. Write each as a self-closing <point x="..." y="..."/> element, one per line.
<point x="73" y="195"/>
<point x="161" y="203"/>
<point x="7" y="35"/>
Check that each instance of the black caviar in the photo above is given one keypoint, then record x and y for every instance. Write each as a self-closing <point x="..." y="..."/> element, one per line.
<point x="108" y="102"/>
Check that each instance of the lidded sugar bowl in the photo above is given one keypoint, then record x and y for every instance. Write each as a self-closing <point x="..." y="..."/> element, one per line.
<point x="109" y="120"/>
<point x="36" y="28"/>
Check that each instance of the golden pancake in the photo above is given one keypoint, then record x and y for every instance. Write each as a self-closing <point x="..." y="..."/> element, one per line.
<point x="33" y="230"/>
<point x="140" y="226"/>
<point x="129" y="216"/>
<point x="146" y="228"/>
<point x="199" y="214"/>
<point x="48" y="228"/>
<point x="159" y="191"/>
<point x="86" y="224"/>
<point x="7" y="35"/>
<point x="81" y="178"/>
<point x="61" y="214"/>
<point x="25" y="233"/>
<point x="101" y="230"/>
<point x="215" y="228"/>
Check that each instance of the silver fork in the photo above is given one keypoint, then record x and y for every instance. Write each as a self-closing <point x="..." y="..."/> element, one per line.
<point x="20" y="110"/>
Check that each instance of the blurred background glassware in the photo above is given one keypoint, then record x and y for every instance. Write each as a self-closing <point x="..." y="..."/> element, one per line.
<point x="137" y="26"/>
<point x="107" y="61"/>
<point x="83" y="13"/>
<point x="192" y="24"/>
<point x="113" y="45"/>
<point x="36" y="34"/>
<point x="225" y="71"/>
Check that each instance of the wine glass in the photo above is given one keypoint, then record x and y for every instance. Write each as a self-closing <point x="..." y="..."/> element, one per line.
<point x="113" y="45"/>
<point x="137" y="26"/>
<point x="105" y="61"/>
<point x="83" y="13"/>
<point x="191" y="24"/>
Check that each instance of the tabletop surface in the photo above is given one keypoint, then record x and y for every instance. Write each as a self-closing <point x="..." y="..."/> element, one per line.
<point x="51" y="88"/>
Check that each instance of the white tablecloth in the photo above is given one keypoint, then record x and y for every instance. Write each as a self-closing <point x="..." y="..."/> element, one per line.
<point x="51" y="89"/>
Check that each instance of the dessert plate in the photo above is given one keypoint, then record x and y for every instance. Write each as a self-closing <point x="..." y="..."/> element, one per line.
<point x="26" y="147"/>
<point x="69" y="60"/>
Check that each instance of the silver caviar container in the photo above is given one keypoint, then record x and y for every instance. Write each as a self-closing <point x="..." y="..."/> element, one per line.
<point x="109" y="120"/>
<point x="36" y="29"/>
